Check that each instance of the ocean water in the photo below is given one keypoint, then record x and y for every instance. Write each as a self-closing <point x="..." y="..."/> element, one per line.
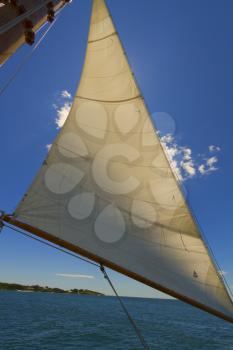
<point x="41" y="321"/>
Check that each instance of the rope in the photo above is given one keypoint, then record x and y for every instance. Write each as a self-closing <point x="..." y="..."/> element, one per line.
<point x="25" y="60"/>
<point x="136" y="329"/>
<point x="102" y="269"/>
<point x="48" y="244"/>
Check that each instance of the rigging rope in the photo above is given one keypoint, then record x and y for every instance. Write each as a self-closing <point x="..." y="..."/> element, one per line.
<point x="48" y="244"/>
<point x="102" y="269"/>
<point x="26" y="59"/>
<point x="136" y="329"/>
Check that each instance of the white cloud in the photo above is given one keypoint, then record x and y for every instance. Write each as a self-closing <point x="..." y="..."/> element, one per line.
<point x="66" y="94"/>
<point x="187" y="153"/>
<point x="48" y="147"/>
<point x="209" y="166"/>
<point x="202" y="169"/>
<point x="67" y="275"/>
<point x="172" y="151"/>
<point x="213" y="148"/>
<point x="180" y="158"/>
<point x="184" y="164"/>
<point x="62" y="114"/>
<point x="62" y="108"/>
<point x="167" y="138"/>
<point x="176" y="170"/>
<point x="211" y="161"/>
<point x="188" y="167"/>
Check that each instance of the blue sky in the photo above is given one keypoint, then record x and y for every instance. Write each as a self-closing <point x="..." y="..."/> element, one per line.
<point x="181" y="53"/>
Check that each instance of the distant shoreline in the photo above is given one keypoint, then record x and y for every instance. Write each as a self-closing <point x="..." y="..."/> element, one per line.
<point x="36" y="288"/>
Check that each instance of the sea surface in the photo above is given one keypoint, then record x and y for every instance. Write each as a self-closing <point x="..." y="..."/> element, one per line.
<point x="43" y="321"/>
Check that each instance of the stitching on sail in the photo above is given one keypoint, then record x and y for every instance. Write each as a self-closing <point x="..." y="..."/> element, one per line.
<point x="106" y="101"/>
<point x="105" y="37"/>
<point x="160" y="225"/>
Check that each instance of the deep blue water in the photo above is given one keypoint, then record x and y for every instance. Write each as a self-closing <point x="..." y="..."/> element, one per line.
<point x="31" y="321"/>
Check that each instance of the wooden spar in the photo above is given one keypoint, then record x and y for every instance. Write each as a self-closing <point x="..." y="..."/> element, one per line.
<point x="55" y="240"/>
<point x="20" y="18"/>
<point x="12" y="34"/>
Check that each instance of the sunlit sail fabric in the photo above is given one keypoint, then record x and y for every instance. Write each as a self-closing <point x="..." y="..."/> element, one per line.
<point x="108" y="188"/>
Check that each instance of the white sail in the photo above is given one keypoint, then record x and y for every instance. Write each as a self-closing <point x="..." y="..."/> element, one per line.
<point x="107" y="188"/>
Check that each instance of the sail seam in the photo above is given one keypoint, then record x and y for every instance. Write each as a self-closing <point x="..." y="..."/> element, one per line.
<point x="106" y="101"/>
<point x="105" y="37"/>
<point x="160" y="225"/>
<point x="18" y="19"/>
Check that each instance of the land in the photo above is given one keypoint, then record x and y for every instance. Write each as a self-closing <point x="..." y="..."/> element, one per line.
<point x="37" y="288"/>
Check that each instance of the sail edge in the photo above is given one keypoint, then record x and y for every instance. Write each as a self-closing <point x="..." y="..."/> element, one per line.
<point x="64" y="244"/>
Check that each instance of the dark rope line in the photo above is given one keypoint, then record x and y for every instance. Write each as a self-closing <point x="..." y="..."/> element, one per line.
<point x="49" y="244"/>
<point x="136" y="329"/>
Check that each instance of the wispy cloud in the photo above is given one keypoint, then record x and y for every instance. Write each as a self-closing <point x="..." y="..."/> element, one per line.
<point x="62" y="114"/>
<point x="67" y="275"/>
<point x="213" y="148"/>
<point x="211" y="161"/>
<point x="184" y="163"/>
<point x="188" y="167"/>
<point x="62" y="107"/>
<point x="66" y="94"/>
<point x="180" y="158"/>
<point x="209" y="166"/>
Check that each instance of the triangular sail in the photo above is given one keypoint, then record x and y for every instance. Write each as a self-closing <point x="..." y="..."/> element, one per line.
<point x="107" y="190"/>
